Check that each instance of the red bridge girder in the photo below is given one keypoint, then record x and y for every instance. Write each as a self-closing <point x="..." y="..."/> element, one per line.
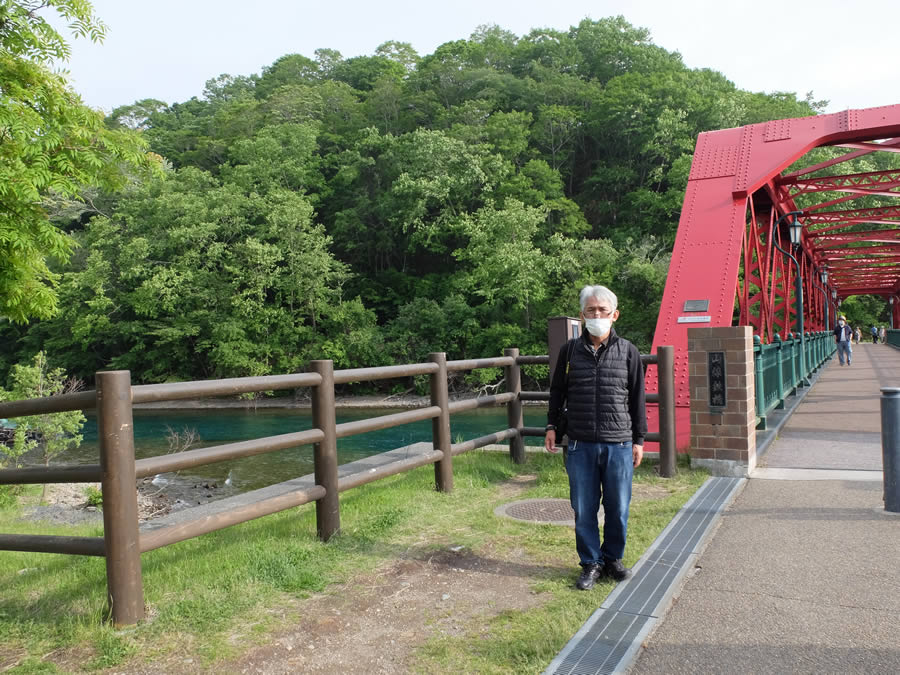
<point x="725" y="268"/>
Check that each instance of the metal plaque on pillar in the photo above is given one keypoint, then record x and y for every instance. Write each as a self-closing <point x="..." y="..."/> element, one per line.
<point x="718" y="397"/>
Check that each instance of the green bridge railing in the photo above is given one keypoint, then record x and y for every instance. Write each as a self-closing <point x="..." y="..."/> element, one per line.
<point x="779" y="367"/>
<point x="892" y="337"/>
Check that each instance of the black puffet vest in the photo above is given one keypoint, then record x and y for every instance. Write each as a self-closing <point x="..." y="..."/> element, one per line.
<point x="597" y="394"/>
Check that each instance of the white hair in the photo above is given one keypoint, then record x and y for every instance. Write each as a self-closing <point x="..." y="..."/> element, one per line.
<point x="601" y="293"/>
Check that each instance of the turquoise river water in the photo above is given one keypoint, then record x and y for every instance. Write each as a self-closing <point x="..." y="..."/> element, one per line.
<point x="213" y="427"/>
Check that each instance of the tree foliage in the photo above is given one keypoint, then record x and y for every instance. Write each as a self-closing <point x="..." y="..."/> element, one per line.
<point x="49" y="143"/>
<point x="50" y="433"/>
<point x="865" y="311"/>
<point x="377" y="208"/>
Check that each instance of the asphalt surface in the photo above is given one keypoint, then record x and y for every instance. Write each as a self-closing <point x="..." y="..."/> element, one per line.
<point x="803" y="573"/>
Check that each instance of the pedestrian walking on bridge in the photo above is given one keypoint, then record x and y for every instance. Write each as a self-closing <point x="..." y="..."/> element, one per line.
<point x="842" y="337"/>
<point x="874" y="331"/>
<point x="598" y="388"/>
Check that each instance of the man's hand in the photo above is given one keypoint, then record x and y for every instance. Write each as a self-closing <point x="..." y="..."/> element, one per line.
<point x="637" y="452"/>
<point x="550" y="441"/>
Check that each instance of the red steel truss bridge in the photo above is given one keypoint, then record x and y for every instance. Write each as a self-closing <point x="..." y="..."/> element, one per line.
<point x="746" y="188"/>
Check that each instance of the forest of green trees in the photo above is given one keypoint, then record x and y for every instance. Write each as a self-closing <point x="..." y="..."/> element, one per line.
<point x="377" y="208"/>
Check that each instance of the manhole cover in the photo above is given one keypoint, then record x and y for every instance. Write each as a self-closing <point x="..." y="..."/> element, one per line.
<point x="552" y="511"/>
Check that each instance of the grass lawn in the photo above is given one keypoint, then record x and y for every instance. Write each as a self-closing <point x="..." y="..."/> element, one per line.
<point x="218" y="596"/>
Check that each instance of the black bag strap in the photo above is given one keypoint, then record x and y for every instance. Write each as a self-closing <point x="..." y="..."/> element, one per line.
<point x="569" y="359"/>
<point x="570" y="346"/>
<point x="569" y="350"/>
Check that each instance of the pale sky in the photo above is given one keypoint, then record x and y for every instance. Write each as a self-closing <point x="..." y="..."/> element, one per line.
<point x="168" y="49"/>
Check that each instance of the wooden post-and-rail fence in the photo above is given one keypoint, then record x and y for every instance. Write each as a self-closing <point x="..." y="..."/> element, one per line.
<point x="123" y="541"/>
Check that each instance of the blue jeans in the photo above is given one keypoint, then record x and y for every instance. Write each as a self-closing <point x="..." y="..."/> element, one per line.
<point x="844" y="348"/>
<point x="600" y="471"/>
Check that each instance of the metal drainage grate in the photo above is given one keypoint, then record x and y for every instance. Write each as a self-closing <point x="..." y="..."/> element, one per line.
<point x="609" y="641"/>
<point x="551" y="511"/>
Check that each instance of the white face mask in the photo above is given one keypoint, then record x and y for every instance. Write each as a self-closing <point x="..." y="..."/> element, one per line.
<point x="598" y="327"/>
<point x="840" y="323"/>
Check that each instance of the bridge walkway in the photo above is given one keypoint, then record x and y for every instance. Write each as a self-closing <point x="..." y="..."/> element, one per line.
<point x="803" y="574"/>
<point x="838" y="424"/>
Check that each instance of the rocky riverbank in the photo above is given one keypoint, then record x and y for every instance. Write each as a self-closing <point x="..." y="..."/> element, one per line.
<point x="8" y="434"/>
<point x="68" y="503"/>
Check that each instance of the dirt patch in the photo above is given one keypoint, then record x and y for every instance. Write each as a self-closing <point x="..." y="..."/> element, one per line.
<point x="11" y="659"/>
<point x="375" y="622"/>
<point x="642" y="492"/>
<point x="516" y="485"/>
<point x="72" y="659"/>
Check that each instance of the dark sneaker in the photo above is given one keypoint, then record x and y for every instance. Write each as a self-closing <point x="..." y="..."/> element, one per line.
<point x="614" y="569"/>
<point x="589" y="575"/>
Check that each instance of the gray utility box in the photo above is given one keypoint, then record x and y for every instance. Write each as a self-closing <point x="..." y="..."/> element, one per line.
<point x="560" y="329"/>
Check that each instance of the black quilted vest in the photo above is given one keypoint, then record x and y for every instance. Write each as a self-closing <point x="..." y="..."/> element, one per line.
<point x="597" y="395"/>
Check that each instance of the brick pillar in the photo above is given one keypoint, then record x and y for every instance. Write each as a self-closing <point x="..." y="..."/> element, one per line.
<point x="723" y="439"/>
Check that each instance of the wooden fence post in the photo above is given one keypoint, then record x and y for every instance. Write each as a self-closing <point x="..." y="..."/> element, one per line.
<point x="328" y="508"/>
<point x="514" y="407"/>
<point x="120" y="517"/>
<point x="440" y="426"/>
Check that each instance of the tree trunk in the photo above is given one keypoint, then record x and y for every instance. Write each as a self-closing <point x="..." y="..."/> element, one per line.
<point x="44" y="488"/>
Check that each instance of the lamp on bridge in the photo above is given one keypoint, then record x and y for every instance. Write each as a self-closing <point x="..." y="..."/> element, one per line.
<point x="891" y="300"/>
<point x="823" y="275"/>
<point x="795" y="228"/>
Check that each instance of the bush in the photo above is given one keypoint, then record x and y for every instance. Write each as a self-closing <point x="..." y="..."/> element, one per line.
<point x="94" y="496"/>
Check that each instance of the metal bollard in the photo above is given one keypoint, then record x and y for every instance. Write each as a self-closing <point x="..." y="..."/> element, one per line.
<point x="890" y="447"/>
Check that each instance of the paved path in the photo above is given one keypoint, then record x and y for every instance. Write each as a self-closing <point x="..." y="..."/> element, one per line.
<point x="803" y="574"/>
<point x="838" y="424"/>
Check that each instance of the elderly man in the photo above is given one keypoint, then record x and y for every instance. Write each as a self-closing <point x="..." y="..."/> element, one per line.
<point x="599" y="381"/>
